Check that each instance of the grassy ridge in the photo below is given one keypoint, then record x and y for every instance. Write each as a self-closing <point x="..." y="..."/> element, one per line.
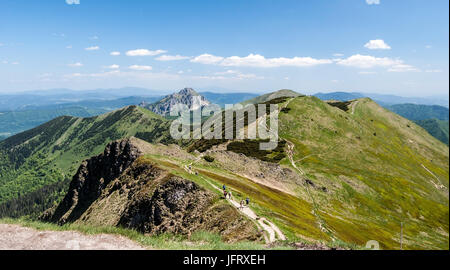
<point x="371" y="161"/>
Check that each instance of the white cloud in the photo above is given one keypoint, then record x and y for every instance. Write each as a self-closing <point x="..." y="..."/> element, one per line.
<point x="373" y="2"/>
<point x="115" y="53"/>
<point x="377" y="44"/>
<point x="15" y="63"/>
<point x="78" y="64"/>
<point x="338" y="55"/>
<point x="171" y="57"/>
<point x="114" y="66"/>
<point x="402" y="68"/>
<point x="256" y="60"/>
<point x="367" y="61"/>
<point x="180" y="72"/>
<point x="207" y="59"/>
<point x="73" y="2"/>
<point x="140" y="68"/>
<point x="428" y="46"/>
<point x="433" y="71"/>
<point x="144" y="52"/>
<point x="93" y="48"/>
<point x="69" y="47"/>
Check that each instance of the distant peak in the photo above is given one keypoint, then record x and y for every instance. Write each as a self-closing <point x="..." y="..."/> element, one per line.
<point x="188" y="91"/>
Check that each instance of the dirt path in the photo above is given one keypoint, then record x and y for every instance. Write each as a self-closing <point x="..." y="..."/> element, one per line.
<point x="272" y="230"/>
<point x="321" y="222"/>
<point x="16" y="237"/>
<point x="354" y="106"/>
<point x="439" y="185"/>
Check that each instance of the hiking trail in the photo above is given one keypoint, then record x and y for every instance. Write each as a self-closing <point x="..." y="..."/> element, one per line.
<point x="263" y="223"/>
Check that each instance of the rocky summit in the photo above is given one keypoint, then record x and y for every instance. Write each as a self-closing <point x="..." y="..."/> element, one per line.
<point x="186" y="96"/>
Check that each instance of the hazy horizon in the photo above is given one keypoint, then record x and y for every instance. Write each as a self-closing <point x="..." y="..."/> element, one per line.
<point x="217" y="90"/>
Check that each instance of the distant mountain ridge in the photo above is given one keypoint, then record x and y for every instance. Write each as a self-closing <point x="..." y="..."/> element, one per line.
<point x="382" y="99"/>
<point x="437" y="128"/>
<point x="22" y="100"/>
<point x="420" y="112"/>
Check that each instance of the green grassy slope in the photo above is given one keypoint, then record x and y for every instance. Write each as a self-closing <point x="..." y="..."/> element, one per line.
<point x="379" y="168"/>
<point x="437" y="128"/>
<point x="272" y="95"/>
<point x="53" y="151"/>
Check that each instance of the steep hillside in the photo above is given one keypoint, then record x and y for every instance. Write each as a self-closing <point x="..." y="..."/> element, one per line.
<point x="51" y="152"/>
<point x="120" y="188"/>
<point x="378" y="170"/>
<point x="437" y="128"/>
<point x="185" y="96"/>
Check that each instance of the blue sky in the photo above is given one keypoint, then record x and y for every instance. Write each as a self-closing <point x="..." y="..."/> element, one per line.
<point x="380" y="46"/>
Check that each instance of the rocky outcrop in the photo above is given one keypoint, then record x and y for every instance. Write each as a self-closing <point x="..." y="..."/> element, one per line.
<point x="92" y="177"/>
<point x="122" y="188"/>
<point x="186" y="96"/>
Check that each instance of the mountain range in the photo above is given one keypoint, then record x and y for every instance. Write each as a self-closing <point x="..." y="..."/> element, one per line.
<point x="343" y="172"/>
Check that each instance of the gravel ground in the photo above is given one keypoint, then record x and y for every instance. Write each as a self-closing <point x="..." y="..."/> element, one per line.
<point x="15" y="237"/>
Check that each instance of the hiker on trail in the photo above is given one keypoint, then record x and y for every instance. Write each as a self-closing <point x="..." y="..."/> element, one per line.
<point x="247" y="201"/>
<point x="229" y="194"/>
<point x="242" y="205"/>
<point x="224" y="187"/>
<point x="190" y="167"/>
<point x="225" y="194"/>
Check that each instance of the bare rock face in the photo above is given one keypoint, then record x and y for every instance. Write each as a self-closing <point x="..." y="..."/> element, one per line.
<point x="176" y="206"/>
<point x="92" y="177"/>
<point x="122" y="188"/>
<point x="186" y="96"/>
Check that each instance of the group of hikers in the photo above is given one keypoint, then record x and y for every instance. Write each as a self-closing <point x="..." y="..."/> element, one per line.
<point x="228" y="195"/>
